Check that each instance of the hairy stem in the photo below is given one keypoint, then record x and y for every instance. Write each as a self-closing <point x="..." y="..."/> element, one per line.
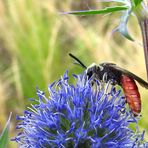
<point x="144" y="29"/>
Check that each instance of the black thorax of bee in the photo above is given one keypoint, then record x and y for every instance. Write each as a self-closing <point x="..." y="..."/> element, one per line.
<point x="104" y="73"/>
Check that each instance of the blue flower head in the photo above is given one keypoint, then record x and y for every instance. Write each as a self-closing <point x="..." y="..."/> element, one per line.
<point x="78" y="116"/>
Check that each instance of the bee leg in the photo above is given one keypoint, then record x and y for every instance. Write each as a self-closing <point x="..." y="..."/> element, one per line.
<point x="113" y="82"/>
<point x="104" y="79"/>
<point x="93" y="77"/>
<point x="93" y="82"/>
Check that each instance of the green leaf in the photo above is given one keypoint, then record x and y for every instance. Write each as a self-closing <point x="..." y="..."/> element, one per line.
<point x="122" y="28"/>
<point x="5" y="133"/>
<point x="137" y="2"/>
<point x="101" y="11"/>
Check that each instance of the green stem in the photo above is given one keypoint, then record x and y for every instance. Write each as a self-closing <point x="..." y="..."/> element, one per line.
<point x="144" y="29"/>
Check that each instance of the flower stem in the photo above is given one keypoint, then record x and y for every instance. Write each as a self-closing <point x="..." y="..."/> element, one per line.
<point x="144" y="29"/>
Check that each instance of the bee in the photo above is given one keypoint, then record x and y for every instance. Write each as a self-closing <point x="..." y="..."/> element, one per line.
<point x="118" y="76"/>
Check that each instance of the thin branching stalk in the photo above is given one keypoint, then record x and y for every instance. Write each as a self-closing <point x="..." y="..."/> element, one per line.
<point x="144" y="29"/>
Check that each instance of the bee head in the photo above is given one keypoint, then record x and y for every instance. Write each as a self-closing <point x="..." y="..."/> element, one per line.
<point x="96" y="70"/>
<point x="93" y="69"/>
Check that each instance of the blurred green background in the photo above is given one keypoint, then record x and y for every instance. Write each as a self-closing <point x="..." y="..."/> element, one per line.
<point x="35" y="39"/>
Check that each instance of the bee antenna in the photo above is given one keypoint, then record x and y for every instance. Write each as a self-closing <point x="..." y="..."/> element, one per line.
<point x="78" y="61"/>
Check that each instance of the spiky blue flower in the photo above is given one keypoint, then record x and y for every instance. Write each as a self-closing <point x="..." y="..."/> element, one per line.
<point x="78" y="116"/>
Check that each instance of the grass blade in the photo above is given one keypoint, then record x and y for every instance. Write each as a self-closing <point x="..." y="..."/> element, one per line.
<point x="5" y="133"/>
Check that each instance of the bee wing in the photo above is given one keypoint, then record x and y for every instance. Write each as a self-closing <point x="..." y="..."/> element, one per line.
<point x="130" y="74"/>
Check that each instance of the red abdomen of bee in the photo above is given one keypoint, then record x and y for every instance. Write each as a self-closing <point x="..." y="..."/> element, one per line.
<point x="131" y="93"/>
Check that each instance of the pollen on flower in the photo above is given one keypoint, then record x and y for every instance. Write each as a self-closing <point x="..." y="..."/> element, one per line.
<point x="79" y="115"/>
